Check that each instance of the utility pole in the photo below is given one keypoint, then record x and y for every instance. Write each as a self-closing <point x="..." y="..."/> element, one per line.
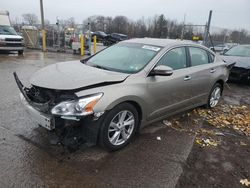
<point x="183" y="27"/>
<point x="58" y="31"/>
<point x="43" y="29"/>
<point x="207" y="29"/>
<point x="225" y="36"/>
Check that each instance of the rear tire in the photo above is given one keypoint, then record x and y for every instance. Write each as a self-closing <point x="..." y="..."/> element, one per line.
<point x="119" y="127"/>
<point x="214" y="96"/>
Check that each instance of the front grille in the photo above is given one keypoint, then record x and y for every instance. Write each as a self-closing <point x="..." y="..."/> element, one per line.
<point x="13" y="44"/>
<point x="13" y="40"/>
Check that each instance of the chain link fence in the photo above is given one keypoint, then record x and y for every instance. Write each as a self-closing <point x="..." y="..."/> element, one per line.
<point x="57" y="37"/>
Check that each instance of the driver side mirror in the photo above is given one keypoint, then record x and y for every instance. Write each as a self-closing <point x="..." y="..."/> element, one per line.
<point x="161" y="70"/>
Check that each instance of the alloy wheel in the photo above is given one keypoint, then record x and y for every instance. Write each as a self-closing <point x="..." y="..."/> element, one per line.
<point x="121" y="127"/>
<point x="215" y="97"/>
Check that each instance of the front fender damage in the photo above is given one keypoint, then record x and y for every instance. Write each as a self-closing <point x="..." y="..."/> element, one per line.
<point x="68" y="132"/>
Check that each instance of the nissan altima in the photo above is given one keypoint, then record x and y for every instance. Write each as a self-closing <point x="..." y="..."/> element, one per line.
<point x="108" y="97"/>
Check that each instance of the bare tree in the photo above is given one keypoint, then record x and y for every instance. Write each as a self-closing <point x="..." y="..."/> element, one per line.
<point x="160" y="27"/>
<point x="120" y="24"/>
<point x="71" y="22"/>
<point x="30" y="19"/>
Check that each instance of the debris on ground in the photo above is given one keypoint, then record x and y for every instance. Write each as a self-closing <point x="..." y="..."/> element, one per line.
<point x="203" y="142"/>
<point x="230" y="116"/>
<point x="174" y="124"/>
<point x="158" y="138"/>
<point x="205" y="131"/>
<point x="222" y="116"/>
<point x="245" y="182"/>
<point x="168" y="123"/>
<point x="243" y="143"/>
<point x="220" y="154"/>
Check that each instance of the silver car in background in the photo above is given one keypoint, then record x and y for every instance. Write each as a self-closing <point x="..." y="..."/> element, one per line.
<point x="107" y="97"/>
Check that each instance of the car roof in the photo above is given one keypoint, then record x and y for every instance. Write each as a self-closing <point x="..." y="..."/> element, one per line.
<point x="119" y="34"/>
<point x="160" y="42"/>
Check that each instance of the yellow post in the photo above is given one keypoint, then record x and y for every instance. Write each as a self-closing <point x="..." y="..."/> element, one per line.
<point x="94" y="44"/>
<point x="44" y="40"/>
<point x="82" y="44"/>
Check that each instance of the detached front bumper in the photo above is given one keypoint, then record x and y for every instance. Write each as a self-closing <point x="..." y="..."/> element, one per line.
<point x="42" y="119"/>
<point x="66" y="130"/>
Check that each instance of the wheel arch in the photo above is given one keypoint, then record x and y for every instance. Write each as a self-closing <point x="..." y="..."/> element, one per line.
<point x="221" y="82"/>
<point x="137" y="103"/>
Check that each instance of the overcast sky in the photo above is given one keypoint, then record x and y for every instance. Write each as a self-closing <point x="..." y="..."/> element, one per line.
<point x="232" y="14"/>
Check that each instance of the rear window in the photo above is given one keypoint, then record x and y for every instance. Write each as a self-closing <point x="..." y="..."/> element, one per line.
<point x="198" y="56"/>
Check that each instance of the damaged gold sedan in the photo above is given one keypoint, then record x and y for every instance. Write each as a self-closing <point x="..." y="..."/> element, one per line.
<point x="107" y="97"/>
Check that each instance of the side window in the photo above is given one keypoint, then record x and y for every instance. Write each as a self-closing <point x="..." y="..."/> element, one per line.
<point x="198" y="56"/>
<point x="175" y="58"/>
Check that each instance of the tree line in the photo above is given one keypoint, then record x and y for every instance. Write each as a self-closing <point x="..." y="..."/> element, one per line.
<point x="157" y="26"/>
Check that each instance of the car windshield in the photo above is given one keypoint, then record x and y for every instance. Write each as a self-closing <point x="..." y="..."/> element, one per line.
<point x="7" y="30"/>
<point x="124" y="37"/>
<point x="124" y="57"/>
<point x="243" y="51"/>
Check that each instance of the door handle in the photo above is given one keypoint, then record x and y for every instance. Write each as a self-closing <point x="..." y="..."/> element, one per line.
<point x="187" y="78"/>
<point x="212" y="70"/>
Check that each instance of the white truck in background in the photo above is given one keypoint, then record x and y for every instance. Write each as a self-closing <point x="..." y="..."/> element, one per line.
<point x="9" y="39"/>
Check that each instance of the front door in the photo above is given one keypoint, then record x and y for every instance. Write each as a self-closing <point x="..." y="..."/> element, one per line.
<point x="169" y="94"/>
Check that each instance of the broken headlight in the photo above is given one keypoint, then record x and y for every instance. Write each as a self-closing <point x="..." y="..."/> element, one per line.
<point x="81" y="107"/>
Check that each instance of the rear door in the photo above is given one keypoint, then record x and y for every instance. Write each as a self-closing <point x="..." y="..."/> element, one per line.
<point x="169" y="94"/>
<point x="202" y="67"/>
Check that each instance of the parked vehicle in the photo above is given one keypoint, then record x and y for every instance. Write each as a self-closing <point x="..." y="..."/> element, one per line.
<point x="100" y="35"/>
<point x="240" y="55"/>
<point x="9" y="39"/>
<point x="114" y="38"/>
<point x="222" y="48"/>
<point x="107" y="97"/>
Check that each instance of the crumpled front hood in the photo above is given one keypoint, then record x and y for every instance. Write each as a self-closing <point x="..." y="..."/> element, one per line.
<point x="242" y="62"/>
<point x="73" y="75"/>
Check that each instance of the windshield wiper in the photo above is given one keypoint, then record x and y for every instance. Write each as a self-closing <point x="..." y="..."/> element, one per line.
<point x="99" y="67"/>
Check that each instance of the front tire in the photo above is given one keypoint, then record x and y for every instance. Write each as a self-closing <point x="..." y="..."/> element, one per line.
<point x="119" y="127"/>
<point x="20" y="52"/>
<point x="214" y="96"/>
